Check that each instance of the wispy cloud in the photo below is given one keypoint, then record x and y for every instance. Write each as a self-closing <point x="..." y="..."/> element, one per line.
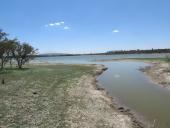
<point x="55" y="24"/>
<point x="115" y="31"/>
<point x="66" y="28"/>
<point x="59" y="24"/>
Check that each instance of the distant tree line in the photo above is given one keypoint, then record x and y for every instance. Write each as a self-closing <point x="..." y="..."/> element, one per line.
<point x="138" y="51"/>
<point x="13" y="50"/>
<point x="54" y="55"/>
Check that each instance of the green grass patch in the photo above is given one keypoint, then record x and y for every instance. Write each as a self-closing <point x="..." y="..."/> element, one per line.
<point x="37" y="95"/>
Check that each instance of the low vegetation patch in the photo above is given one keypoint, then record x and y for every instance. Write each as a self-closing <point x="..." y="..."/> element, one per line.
<point x="38" y="95"/>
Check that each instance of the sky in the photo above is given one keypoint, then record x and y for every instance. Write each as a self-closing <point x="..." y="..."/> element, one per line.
<point x="87" y="26"/>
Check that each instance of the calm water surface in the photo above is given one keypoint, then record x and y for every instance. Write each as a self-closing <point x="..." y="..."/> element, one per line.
<point x="89" y="58"/>
<point x="124" y="81"/>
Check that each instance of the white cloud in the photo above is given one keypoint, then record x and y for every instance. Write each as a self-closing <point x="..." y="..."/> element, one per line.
<point x="66" y="28"/>
<point x="62" y="22"/>
<point x="115" y="31"/>
<point x="51" y="24"/>
<point x="55" y="24"/>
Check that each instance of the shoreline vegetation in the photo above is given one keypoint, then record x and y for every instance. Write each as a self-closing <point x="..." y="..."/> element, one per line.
<point x="58" y="95"/>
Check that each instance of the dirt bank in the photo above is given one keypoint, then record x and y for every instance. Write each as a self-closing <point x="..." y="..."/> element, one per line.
<point x="159" y="73"/>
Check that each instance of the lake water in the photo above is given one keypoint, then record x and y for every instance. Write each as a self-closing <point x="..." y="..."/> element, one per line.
<point x="89" y="58"/>
<point x="131" y="87"/>
<point x="124" y="81"/>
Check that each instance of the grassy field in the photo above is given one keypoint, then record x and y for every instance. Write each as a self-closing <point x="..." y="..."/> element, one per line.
<point x="37" y="95"/>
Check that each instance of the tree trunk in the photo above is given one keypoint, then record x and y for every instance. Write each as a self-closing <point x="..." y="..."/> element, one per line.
<point x="2" y="63"/>
<point x="20" y="64"/>
<point x="10" y="63"/>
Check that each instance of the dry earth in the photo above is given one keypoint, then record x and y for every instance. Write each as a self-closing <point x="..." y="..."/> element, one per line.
<point x="159" y="72"/>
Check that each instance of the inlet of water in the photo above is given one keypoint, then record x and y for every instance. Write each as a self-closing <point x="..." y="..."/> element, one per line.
<point x="124" y="81"/>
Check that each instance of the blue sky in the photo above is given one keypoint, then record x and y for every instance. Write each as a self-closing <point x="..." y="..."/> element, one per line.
<point x="82" y="26"/>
